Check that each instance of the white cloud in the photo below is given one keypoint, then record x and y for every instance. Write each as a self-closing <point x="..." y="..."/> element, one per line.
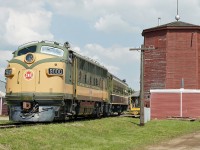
<point x="23" y="25"/>
<point x="113" y="58"/>
<point x="138" y="14"/>
<point x="118" y="60"/>
<point x="114" y="23"/>
<point x="7" y="55"/>
<point x="112" y="69"/>
<point x="114" y="53"/>
<point x="2" y="77"/>
<point x="121" y="21"/>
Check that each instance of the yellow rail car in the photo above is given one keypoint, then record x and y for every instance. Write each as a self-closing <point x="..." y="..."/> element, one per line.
<point x="134" y="104"/>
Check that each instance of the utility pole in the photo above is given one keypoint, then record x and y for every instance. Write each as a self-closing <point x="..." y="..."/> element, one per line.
<point x="142" y="49"/>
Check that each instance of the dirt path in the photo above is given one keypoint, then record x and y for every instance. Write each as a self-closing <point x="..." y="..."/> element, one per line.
<point x="186" y="142"/>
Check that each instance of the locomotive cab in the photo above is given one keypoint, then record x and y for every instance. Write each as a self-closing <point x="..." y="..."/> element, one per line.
<point x="35" y="81"/>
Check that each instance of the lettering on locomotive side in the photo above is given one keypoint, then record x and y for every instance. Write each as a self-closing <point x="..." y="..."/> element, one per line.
<point x="55" y="71"/>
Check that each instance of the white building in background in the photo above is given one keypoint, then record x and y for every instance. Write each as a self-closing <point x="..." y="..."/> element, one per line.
<point x="2" y="86"/>
<point x="2" y="96"/>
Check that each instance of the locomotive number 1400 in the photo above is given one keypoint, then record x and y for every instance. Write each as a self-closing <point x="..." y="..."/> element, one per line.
<point x="55" y="71"/>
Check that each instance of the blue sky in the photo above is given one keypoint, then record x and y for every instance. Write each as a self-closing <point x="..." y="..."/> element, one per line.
<point x="101" y="29"/>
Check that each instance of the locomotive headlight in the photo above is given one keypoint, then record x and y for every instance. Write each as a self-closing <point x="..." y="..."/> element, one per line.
<point x="9" y="72"/>
<point x="29" y="58"/>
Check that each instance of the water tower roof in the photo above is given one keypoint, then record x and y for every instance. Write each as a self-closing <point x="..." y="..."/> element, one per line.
<point x="172" y="25"/>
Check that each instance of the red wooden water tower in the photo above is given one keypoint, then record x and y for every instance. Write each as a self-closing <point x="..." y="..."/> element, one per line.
<point x="176" y="57"/>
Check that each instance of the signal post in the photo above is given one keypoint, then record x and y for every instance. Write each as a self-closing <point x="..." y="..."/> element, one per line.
<point x="142" y="49"/>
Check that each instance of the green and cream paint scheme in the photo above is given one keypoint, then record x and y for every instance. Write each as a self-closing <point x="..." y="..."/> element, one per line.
<point x="47" y="81"/>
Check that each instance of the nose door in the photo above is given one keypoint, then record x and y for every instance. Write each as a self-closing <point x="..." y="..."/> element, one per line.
<point x="28" y="80"/>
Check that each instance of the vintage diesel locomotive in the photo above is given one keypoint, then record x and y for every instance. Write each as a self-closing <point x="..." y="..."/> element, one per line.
<point x="47" y="81"/>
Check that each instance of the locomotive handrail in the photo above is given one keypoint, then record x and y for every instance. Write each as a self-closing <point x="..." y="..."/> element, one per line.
<point x="45" y="41"/>
<point x="52" y="42"/>
<point x="32" y="42"/>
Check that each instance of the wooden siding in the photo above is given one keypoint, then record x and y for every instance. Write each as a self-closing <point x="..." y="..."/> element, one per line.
<point x="165" y="103"/>
<point x="177" y="56"/>
<point x="3" y="107"/>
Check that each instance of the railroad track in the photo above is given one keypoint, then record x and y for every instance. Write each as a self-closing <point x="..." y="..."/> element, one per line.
<point x="22" y="124"/>
<point x="4" y="126"/>
<point x="15" y="125"/>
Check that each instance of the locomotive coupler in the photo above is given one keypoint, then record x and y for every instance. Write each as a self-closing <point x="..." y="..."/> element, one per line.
<point x="30" y="107"/>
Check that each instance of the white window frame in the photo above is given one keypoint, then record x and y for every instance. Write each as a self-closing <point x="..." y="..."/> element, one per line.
<point x="52" y="51"/>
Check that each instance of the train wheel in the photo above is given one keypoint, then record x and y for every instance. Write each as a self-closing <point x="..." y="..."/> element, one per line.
<point x="119" y="111"/>
<point x="98" y="114"/>
<point x="107" y="111"/>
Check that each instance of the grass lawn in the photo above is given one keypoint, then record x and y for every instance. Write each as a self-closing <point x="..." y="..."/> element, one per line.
<point x="116" y="133"/>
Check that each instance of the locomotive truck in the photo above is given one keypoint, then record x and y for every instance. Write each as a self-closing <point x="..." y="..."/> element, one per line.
<point x="47" y="81"/>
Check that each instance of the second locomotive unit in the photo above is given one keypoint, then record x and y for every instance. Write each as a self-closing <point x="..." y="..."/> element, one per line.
<point x="47" y="81"/>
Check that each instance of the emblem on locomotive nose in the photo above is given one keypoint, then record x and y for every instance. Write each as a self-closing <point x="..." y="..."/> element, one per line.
<point x="28" y="75"/>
